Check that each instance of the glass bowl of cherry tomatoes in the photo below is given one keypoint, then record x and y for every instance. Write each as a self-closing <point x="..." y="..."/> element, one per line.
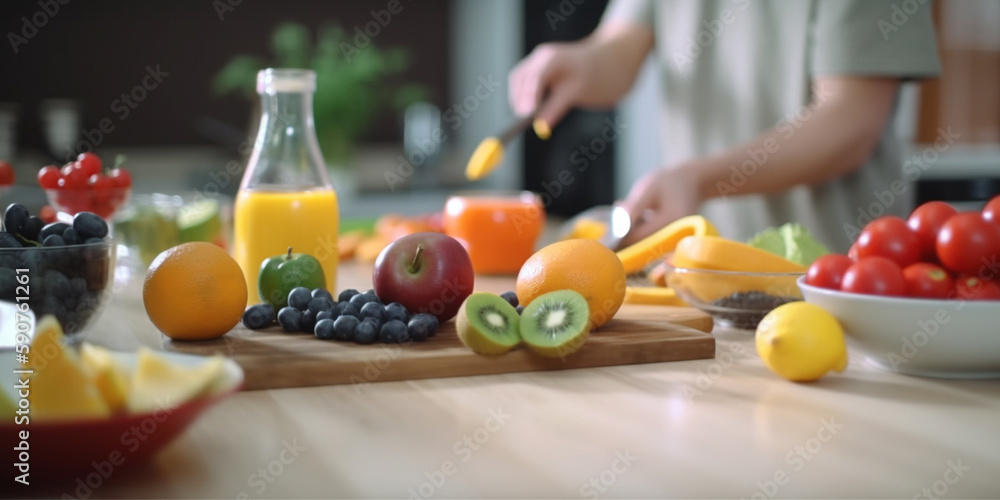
<point x="85" y="185"/>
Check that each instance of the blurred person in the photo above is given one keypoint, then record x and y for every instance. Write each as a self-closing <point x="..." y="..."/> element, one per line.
<point x="773" y="110"/>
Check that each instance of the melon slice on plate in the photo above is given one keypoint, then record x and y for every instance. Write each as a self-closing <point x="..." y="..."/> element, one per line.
<point x="158" y="383"/>
<point x="60" y="387"/>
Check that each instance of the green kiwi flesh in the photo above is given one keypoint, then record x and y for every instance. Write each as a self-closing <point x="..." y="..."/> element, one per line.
<point x="556" y="324"/>
<point x="488" y="324"/>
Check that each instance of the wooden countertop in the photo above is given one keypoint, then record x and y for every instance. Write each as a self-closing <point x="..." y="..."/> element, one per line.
<point x="716" y="428"/>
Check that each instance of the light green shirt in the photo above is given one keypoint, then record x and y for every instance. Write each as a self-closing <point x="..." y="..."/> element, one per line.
<point x="731" y="69"/>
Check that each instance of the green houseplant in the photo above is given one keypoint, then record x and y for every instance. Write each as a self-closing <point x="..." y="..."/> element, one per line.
<point x="352" y="84"/>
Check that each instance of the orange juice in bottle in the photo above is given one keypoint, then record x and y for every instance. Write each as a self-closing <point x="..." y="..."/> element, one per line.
<point x="285" y="199"/>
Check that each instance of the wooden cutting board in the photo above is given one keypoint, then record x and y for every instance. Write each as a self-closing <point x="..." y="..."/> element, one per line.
<point x="271" y="358"/>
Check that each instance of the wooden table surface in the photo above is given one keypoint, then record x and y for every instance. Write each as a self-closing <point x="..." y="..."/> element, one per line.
<point x="724" y="427"/>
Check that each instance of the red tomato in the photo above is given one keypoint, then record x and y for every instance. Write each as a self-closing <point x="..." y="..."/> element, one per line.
<point x="974" y="288"/>
<point x="891" y="238"/>
<point x="828" y="271"/>
<point x="6" y="174"/>
<point x="991" y="211"/>
<point x="926" y="221"/>
<point x="102" y="187"/>
<point x="75" y="179"/>
<point x="852" y="253"/>
<point x="48" y="177"/>
<point x="967" y="242"/>
<point x="122" y="178"/>
<point x="874" y="276"/>
<point x="47" y="214"/>
<point x="928" y="281"/>
<point x="89" y="163"/>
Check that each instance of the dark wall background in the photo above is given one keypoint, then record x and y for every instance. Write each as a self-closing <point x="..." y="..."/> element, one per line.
<point x="94" y="51"/>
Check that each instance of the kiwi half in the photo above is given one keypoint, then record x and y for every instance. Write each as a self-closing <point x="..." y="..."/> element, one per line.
<point x="488" y="324"/>
<point x="556" y="324"/>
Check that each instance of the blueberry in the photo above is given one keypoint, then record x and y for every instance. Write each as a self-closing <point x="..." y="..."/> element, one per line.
<point x="519" y="309"/>
<point x="346" y="295"/>
<point x="308" y="321"/>
<point x="324" y="329"/>
<point x="344" y="327"/>
<point x="14" y="217"/>
<point x="299" y="298"/>
<point x="258" y="316"/>
<point x="394" y="332"/>
<point x="510" y="297"/>
<point x="430" y="319"/>
<point x="366" y="332"/>
<point x="359" y="300"/>
<point x="8" y="240"/>
<point x="54" y="240"/>
<point x="328" y="314"/>
<point x="349" y="309"/>
<point x="50" y="229"/>
<point x="321" y="303"/>
<point x="71" y="237"/>
<point x="78" y="285"/>
<point x="374" y="310"/>
<point x="398" y="311"/>
<point x="56" y="284"/>
<point x="290" y="319"/>
<point x="93" y="241"/>
<point x="31" y="228"/>
<point x="90" y="225"/>
<point x="322" y="292"/>
<point x="419" y="328"/>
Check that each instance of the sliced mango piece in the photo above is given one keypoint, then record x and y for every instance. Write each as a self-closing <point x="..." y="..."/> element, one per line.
<point x="484" y="159"/>
<point x="370" y="247"/>
<point x="347" y="243"/>
<point x="721" y="254"/>
<point x="158" y="383"/>
<point x="60" y="387"/>
<point x="658" y="244"/>
<point x="109" y="375"/>
<point x="587" y="229"/>
<point x="652" y="295"/>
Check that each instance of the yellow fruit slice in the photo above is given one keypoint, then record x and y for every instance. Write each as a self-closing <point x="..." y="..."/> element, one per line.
<point x="158" y="383"/>
<point x="652" y="295"/>
<point x="721" y="254"/>
<point x="801" y="342"/>
<point x="658" y="244"/>
<point x="60" y="387"/>
<point x="484" y="159"/>
<point x="109" y="375"/>
<point x="542" y="129"/>
<point x="588" y="229"/>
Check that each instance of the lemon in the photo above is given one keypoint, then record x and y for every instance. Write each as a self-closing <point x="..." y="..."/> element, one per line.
<point x="801" y="342"/>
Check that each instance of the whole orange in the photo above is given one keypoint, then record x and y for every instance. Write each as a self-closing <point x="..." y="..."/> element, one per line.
<point x="583" y="265"/>
<point x="194" y="291"/>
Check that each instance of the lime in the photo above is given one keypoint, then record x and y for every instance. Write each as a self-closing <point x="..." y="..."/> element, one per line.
<point x="148" y="229"/>
<point x="801" y="342"/>
<point x="199" y="221"/>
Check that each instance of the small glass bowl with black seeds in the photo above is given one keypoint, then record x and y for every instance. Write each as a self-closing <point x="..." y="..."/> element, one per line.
<point x="734" y="299"/>
<point x="65" y="269"/>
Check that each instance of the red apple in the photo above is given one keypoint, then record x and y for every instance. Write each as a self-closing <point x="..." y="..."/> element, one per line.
<point x="426" y="272"/>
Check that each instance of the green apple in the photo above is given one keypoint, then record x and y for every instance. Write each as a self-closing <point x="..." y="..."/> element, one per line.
<point x="280" y="274"/>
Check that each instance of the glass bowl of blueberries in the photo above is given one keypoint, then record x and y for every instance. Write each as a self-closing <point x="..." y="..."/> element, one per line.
<point x="65" y="269"/>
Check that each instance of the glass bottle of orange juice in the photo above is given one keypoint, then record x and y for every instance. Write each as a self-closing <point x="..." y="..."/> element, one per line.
<point x="285" y="199"/>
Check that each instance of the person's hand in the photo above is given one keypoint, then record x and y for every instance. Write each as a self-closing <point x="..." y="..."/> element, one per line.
<point x="659" y="198"/>
<point x="557" y="72"/>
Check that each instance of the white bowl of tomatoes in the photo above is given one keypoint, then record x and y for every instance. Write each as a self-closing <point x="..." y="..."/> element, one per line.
<point x="920" y="296"/>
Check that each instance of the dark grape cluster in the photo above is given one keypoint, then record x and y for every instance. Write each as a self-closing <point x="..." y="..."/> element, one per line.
<point x="353" y="316"/>
<point x="68" y="265"/>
